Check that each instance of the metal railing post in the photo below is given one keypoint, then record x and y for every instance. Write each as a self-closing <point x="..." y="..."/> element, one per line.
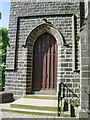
<point x="66" y="91"/>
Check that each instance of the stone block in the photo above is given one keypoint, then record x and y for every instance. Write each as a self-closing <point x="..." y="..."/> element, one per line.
<point x="83" y="115"/>
<point x="6" y="97"/>
<point x="64" y="64"/>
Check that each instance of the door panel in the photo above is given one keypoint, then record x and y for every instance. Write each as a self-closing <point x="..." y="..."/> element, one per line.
<point x="44" y="63"/>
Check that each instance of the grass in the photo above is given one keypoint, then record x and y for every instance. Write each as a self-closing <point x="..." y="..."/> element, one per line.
<point x="34" y="107"/>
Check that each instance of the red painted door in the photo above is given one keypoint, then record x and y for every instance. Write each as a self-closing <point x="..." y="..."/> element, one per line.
<point x="44" y="63"/>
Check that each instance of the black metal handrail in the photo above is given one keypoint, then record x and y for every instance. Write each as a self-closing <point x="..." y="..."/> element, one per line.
<point x="62" y="94"/>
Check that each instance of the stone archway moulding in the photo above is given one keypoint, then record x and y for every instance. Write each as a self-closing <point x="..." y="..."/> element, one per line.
<point x="42" y="29"/>
<point x="32" y="37"/>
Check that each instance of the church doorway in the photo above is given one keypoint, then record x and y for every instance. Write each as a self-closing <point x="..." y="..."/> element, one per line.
<point x="44" y="63"/>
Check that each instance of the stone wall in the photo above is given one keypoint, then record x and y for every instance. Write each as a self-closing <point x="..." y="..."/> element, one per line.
<point x="85" y="68"/>
<point x="26" y="16"/>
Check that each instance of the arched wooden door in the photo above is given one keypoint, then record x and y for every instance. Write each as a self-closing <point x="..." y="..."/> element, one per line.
<point x="44" y="63"/>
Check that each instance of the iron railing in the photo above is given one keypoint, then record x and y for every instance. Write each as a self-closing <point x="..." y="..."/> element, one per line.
<point x="63" y="92"/>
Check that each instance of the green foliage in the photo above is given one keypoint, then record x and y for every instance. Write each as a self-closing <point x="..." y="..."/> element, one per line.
<point x="4" y="42"/>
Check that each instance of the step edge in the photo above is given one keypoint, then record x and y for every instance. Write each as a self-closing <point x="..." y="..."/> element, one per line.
<point x="33" y="105"/>
<point x="42" y="95"/>
<point x="38" y="97"/>
<point x="30" y="110"/>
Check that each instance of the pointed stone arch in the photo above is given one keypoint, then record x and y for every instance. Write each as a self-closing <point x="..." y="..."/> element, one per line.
<point x="35" y="33"/>
<point x="32" y="37"/>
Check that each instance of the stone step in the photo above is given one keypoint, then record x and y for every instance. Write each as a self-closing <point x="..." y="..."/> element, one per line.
<point x="34" y="107"/>
<point x="36" y="112"/>
<point x="36" y="102"/>
<point x="49" y="97"/>
<point x="45" y="92"/>
<point x="30" y="111"/>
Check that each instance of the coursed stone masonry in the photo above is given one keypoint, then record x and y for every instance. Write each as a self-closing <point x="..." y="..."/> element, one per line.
<point x="26" y="17"/>
<point x="85" y="68"/>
